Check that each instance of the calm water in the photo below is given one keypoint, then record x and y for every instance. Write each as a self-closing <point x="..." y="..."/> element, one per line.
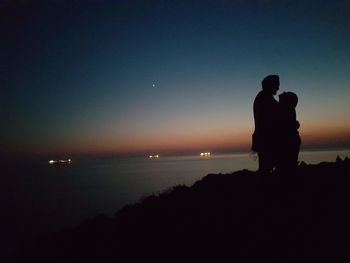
<point x="38" y="199"/>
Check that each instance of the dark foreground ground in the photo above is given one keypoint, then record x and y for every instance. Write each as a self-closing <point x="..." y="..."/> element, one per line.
<point x="238" y="217"/>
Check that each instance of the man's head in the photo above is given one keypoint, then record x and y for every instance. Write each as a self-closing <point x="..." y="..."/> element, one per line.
<point x="271" y="84"/>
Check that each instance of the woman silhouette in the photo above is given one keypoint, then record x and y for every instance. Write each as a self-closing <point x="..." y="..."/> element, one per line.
<point x="288" y="136"/>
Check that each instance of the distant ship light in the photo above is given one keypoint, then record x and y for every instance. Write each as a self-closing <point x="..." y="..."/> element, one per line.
<point x="60" y="161"/>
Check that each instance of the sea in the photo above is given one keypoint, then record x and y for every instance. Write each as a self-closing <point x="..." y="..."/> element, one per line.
<point x="39" y="198"/>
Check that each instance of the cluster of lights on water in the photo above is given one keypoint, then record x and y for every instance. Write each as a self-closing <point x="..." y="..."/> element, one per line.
<point x="60" y="161"/>
<point x="202" y="154"/>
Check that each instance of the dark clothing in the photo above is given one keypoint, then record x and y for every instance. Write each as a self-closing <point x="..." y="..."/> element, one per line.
<point x="264" y="138"/>
<point x="267" y="160"/>
<point x="288" y="140"/>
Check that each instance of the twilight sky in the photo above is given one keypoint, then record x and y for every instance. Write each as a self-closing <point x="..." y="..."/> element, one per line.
<point x="166" y="76"/>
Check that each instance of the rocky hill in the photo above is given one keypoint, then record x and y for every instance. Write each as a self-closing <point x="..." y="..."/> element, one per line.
<point x="238" y="217"/>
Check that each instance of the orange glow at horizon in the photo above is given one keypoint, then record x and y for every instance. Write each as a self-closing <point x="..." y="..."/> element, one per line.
<point x="321" y="134"/>
<point x="318" y="135"/>
<point x="177" y="142"/>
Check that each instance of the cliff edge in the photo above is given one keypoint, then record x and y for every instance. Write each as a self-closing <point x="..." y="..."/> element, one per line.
<point x="238" y="217"/>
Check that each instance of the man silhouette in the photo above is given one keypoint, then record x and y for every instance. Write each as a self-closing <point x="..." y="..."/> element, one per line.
<point x="265" y="110"/>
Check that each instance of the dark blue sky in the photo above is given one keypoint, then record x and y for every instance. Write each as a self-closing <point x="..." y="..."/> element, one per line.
<point x="128" y="76"/>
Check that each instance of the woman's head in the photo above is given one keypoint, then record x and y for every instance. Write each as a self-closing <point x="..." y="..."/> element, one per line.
<point x="288" y="99"/>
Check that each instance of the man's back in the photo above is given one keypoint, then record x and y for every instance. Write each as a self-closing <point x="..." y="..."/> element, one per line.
<point x="265" y="117"/>
<point x="265" y="110"/>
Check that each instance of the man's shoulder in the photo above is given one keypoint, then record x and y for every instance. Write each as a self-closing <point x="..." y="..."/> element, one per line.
<point x="259" y="96"/>
<point x="264" y="100"/>
<point x="264" y="97"/>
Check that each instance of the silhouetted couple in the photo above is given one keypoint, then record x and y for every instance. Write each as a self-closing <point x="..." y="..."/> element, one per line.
<point x="276" y="138"/>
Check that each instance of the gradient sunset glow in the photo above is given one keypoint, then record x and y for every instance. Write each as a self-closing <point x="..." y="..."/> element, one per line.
<point x="135" y="77"/>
